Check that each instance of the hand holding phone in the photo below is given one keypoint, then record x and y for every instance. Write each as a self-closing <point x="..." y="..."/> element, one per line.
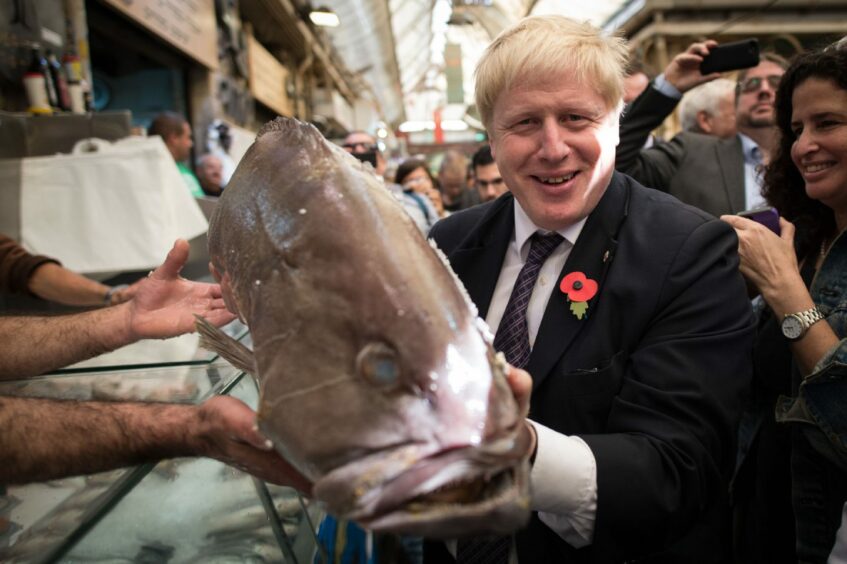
<point x="768" y="217"/>
<point x="731" y="56"/>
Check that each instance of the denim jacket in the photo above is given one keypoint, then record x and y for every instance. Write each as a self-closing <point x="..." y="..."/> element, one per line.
<point x="822" y="396"/>
<point x="818" y="413"/>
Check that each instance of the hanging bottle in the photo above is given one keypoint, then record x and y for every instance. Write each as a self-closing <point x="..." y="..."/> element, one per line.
<point x="35" y="83"/>
<point x="73" y="70"/>
<point x="41" y="62"/>
<point x="59" y="82"/>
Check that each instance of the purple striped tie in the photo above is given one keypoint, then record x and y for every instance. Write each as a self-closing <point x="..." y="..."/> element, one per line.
<point x="513" y="334"/>
<point x="513" y="339"/>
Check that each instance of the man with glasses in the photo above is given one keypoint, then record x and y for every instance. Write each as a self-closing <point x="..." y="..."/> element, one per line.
<point x="486" y="176"/>
<point x="364" y="147"/>
<point x="719" y="176"/>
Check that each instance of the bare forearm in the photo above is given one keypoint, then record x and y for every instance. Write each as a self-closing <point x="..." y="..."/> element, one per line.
<point x="58" y="284"/>
<point x="48" y="439"/>
<point x="34" y="345"/>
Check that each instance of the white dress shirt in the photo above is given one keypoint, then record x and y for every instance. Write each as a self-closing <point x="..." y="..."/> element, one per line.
<point x="753" y="198"/>
<point x="563" y="479"/>
<point x="564" y="475"/>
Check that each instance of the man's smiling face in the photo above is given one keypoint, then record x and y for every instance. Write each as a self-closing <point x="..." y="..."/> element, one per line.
<point x="554" y="143"/>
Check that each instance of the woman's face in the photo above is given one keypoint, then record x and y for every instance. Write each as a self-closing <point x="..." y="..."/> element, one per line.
<point x="819" y="123"/>
<point x="418" y="180"/>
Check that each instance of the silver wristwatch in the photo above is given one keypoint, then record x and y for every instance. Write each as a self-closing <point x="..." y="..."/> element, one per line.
<point x="795" y="325"/>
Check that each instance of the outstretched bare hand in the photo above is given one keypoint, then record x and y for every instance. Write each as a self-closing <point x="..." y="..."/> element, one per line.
<point x="165" y="304"/>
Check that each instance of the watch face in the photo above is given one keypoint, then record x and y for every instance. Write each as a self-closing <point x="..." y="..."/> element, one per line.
<point x="792" y="327"/>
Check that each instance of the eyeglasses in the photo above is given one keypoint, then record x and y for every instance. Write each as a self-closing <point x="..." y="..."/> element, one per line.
<point x="416" y="180"/>
<point x="486" y="183"/>
<point x="365" y="146"/>
<point x="754" y="83"/>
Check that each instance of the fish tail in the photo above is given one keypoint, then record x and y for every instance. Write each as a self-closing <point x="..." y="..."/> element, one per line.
<point x="216" y="340"/>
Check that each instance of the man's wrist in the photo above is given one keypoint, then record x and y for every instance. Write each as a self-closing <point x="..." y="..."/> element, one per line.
<point x="666" y="88"/>
<point x="533" y="448"/>
<point x="118" y="330"/>
<point x="111" y="291"/>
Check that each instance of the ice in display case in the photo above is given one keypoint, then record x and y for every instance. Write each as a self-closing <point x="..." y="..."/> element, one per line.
<point x="180" y="510"/>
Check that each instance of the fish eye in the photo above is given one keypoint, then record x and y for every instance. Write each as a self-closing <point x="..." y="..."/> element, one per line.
<point x="378" y="364"/>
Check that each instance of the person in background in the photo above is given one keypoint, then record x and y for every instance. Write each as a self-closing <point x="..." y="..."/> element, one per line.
<point x="414" y="175"/>
<point x="636" y="80"/>
<point x="45" y="439"/>
<point x="486" y="176"/>
<point x="710" y="109"/>
<point x="452" y="175"/>
<point x="364" y="147"/>
<point x="625" y="306"/>
<point x="176" y="133"/>
<point x="801" y="350"/>
<point x="719" y="176"/>
<point x="210" y="174"/>
<point x="45" y="277"/>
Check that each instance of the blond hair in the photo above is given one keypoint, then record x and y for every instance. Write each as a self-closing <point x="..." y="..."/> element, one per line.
<point x="546" y="46"/>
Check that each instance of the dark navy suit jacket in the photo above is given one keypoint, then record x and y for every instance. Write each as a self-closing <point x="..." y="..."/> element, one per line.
<point x="652" y="379"/>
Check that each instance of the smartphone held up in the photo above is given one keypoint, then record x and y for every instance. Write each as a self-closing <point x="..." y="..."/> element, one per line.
<point x="731" y="56"/>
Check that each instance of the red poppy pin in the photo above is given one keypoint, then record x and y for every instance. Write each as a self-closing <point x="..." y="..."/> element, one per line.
<point x="579" y="289"/>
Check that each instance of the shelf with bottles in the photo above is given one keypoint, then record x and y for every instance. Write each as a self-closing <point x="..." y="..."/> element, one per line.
<point x="55" y="87"/>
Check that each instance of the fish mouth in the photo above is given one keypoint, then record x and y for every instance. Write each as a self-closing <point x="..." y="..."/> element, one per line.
<point x="452" y="492"/>
<point x="491" y="502"/>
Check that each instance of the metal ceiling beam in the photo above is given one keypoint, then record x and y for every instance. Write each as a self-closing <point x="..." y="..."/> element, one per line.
<point x="751" y="28"/>
<point x="285" y="9"/>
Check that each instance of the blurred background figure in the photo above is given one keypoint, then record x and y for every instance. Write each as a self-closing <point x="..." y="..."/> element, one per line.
<point x="710" y="109"/>
<point x="452" y="177"/>
<point x="176" y="133"/>
<point x="636" y="80"/>
<point x="719" y="176"/>
<point x="414" y="175"/>
<point x="486" y="176"/>
<point x="44" y="277"/>
<point x="210" y="174"/>
<point x="364" y="147"/>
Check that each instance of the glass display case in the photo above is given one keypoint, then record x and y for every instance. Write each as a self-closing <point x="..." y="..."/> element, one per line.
<point x="180" y="510"/>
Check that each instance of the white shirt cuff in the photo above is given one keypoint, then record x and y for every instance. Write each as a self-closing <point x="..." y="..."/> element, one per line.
<point x="564" y="485"/>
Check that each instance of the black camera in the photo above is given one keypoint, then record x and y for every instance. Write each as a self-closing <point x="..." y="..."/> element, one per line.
<point x="367" y="157"/>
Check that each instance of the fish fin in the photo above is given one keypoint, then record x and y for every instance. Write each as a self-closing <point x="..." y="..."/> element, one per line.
<point x="228" y="348"/>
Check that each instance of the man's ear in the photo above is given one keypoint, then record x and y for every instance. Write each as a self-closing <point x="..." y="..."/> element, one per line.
<point x="704" y="121"/>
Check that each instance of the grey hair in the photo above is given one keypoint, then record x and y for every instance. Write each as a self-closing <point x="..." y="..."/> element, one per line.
<point x="704" y="98"/>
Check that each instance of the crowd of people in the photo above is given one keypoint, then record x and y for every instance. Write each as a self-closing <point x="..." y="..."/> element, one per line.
<point x="684" y="366"/>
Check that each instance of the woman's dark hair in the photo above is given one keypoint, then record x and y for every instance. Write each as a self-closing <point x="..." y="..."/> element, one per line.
<point x="784" y="187"/>
<point x="409" y="166"/>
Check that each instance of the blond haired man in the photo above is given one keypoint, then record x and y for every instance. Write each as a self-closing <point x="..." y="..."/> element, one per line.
<point x="624" y="305"/>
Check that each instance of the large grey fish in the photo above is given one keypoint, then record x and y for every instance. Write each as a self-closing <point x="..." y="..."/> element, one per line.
<point x="377" y="379"/>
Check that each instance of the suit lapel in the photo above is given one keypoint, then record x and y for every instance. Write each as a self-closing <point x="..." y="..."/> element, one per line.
<point x="731" y="164"/>
<point x="559" y="325"/>
<point x="477" y="261"/>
